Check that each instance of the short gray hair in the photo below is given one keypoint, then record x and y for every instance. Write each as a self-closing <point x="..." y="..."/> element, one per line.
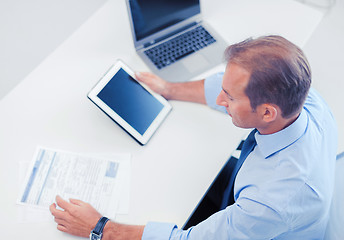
<point x="280" y="72"/>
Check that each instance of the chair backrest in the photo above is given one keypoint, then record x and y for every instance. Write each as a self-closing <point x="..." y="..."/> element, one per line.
<point x="335" y="227"/>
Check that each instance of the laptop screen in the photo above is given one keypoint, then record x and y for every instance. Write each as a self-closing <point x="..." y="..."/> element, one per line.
<point x="151" y="16"/>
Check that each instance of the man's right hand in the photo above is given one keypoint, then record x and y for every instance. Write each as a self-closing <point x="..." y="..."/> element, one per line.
<point x="157" y="84"/>
<point x="191" y="91"/>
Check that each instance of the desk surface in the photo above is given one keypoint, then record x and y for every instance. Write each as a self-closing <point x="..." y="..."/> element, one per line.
<point x="169" y="174"/>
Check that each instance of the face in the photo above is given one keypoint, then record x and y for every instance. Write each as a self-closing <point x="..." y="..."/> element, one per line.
<point x="234" y="99"/>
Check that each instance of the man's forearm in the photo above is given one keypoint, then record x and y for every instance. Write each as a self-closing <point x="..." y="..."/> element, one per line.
<point x="186" y="91"/>
<point x="116" y="231"/>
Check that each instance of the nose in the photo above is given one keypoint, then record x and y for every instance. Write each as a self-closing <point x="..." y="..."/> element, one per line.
<point x="221" y="100"/>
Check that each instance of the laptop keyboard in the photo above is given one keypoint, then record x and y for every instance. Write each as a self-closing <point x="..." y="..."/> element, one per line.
<point x="172" y="50"/>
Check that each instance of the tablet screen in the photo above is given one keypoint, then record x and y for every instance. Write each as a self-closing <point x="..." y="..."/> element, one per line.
<point x="130" y="101"/>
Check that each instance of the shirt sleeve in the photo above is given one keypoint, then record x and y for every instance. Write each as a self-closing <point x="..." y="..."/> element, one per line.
<point x="246" y="219"/>
<point x="212" y="88"/>
<point x="158" y="231"/>
<point x="237" y="221"/>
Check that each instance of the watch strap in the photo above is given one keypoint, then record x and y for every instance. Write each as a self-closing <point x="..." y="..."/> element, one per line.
<point x="100" y="225"/>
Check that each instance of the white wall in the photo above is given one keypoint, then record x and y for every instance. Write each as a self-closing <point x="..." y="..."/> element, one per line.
<point x="325" y="50"/>
<point x="31" y="29"/>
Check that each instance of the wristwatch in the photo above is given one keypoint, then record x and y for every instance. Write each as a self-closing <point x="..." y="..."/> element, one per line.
<point x="97" y="232"/>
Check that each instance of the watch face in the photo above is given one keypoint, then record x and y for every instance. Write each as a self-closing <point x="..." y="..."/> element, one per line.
<point x="94" y="236"/>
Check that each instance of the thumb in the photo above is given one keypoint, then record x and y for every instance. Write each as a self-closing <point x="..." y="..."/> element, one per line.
<point x="143" y="76"/>
<point x="138" y="75"/>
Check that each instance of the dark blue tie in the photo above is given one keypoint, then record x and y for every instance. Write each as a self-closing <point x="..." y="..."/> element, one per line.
<point x="247" y="148"/>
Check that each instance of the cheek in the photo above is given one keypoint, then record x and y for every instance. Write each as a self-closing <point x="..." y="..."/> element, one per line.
<point x="237" y="113"/>
<point x="232" y="107"/>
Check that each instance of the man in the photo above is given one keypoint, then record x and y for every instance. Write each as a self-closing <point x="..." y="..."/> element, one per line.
<point x="283" y="189"/>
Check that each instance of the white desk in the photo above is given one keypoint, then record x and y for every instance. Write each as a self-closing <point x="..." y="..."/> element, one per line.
<point x="169" y="174"/>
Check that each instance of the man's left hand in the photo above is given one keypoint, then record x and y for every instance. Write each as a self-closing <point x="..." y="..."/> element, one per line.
<point x="77" y="217"/>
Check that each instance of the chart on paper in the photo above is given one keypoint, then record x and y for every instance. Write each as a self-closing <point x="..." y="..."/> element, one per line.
<point x="95" y="180"/>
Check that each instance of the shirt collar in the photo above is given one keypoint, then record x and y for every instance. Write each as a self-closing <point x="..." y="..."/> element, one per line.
<point x="272" y="143"/>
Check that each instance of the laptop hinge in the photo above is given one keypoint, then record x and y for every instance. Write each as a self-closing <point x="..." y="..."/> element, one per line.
<point x="169" y="35"/>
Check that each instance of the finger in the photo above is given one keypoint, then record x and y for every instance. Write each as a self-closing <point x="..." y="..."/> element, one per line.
<point x="76" y="202"/>
<point x="61" y="228"/>
<point x="56" y="212"/>
<point x="62" y="203"/>
<point x="61" y="221"/>
<point x="144" y="76"/>
<point x="52" y="208"/>
<point x="138" y="75"/>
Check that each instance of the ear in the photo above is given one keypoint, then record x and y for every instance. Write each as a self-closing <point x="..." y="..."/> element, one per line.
<point x="269" y="112"/>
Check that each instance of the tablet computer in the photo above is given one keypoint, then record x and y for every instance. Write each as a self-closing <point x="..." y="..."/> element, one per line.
<point x="131" y="104"/>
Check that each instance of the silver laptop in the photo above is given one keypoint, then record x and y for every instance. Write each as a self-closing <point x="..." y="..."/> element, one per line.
<point x="172" y="39"/>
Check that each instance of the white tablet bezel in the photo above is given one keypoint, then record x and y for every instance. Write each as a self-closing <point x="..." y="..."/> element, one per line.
<point x="92" y="95"/>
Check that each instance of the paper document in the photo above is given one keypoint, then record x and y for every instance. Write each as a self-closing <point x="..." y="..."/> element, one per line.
<point x="98" y="181"/>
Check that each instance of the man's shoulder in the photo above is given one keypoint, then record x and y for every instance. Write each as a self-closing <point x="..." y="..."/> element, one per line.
<point x="319" y="112"/>
<point x="315" y="102"/>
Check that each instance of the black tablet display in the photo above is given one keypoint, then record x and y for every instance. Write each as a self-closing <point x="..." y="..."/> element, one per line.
<point x="133" y="106"/>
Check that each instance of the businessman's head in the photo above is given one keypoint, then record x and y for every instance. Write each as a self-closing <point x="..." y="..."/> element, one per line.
<point x="271" y="72"/>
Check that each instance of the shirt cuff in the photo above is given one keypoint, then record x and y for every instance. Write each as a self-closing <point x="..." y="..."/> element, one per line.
<point x="157" y="231"/>
<point x="212" y="89"/>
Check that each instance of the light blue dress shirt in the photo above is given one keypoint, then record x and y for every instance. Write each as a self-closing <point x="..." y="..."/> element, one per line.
<point x="283" y="189"/>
